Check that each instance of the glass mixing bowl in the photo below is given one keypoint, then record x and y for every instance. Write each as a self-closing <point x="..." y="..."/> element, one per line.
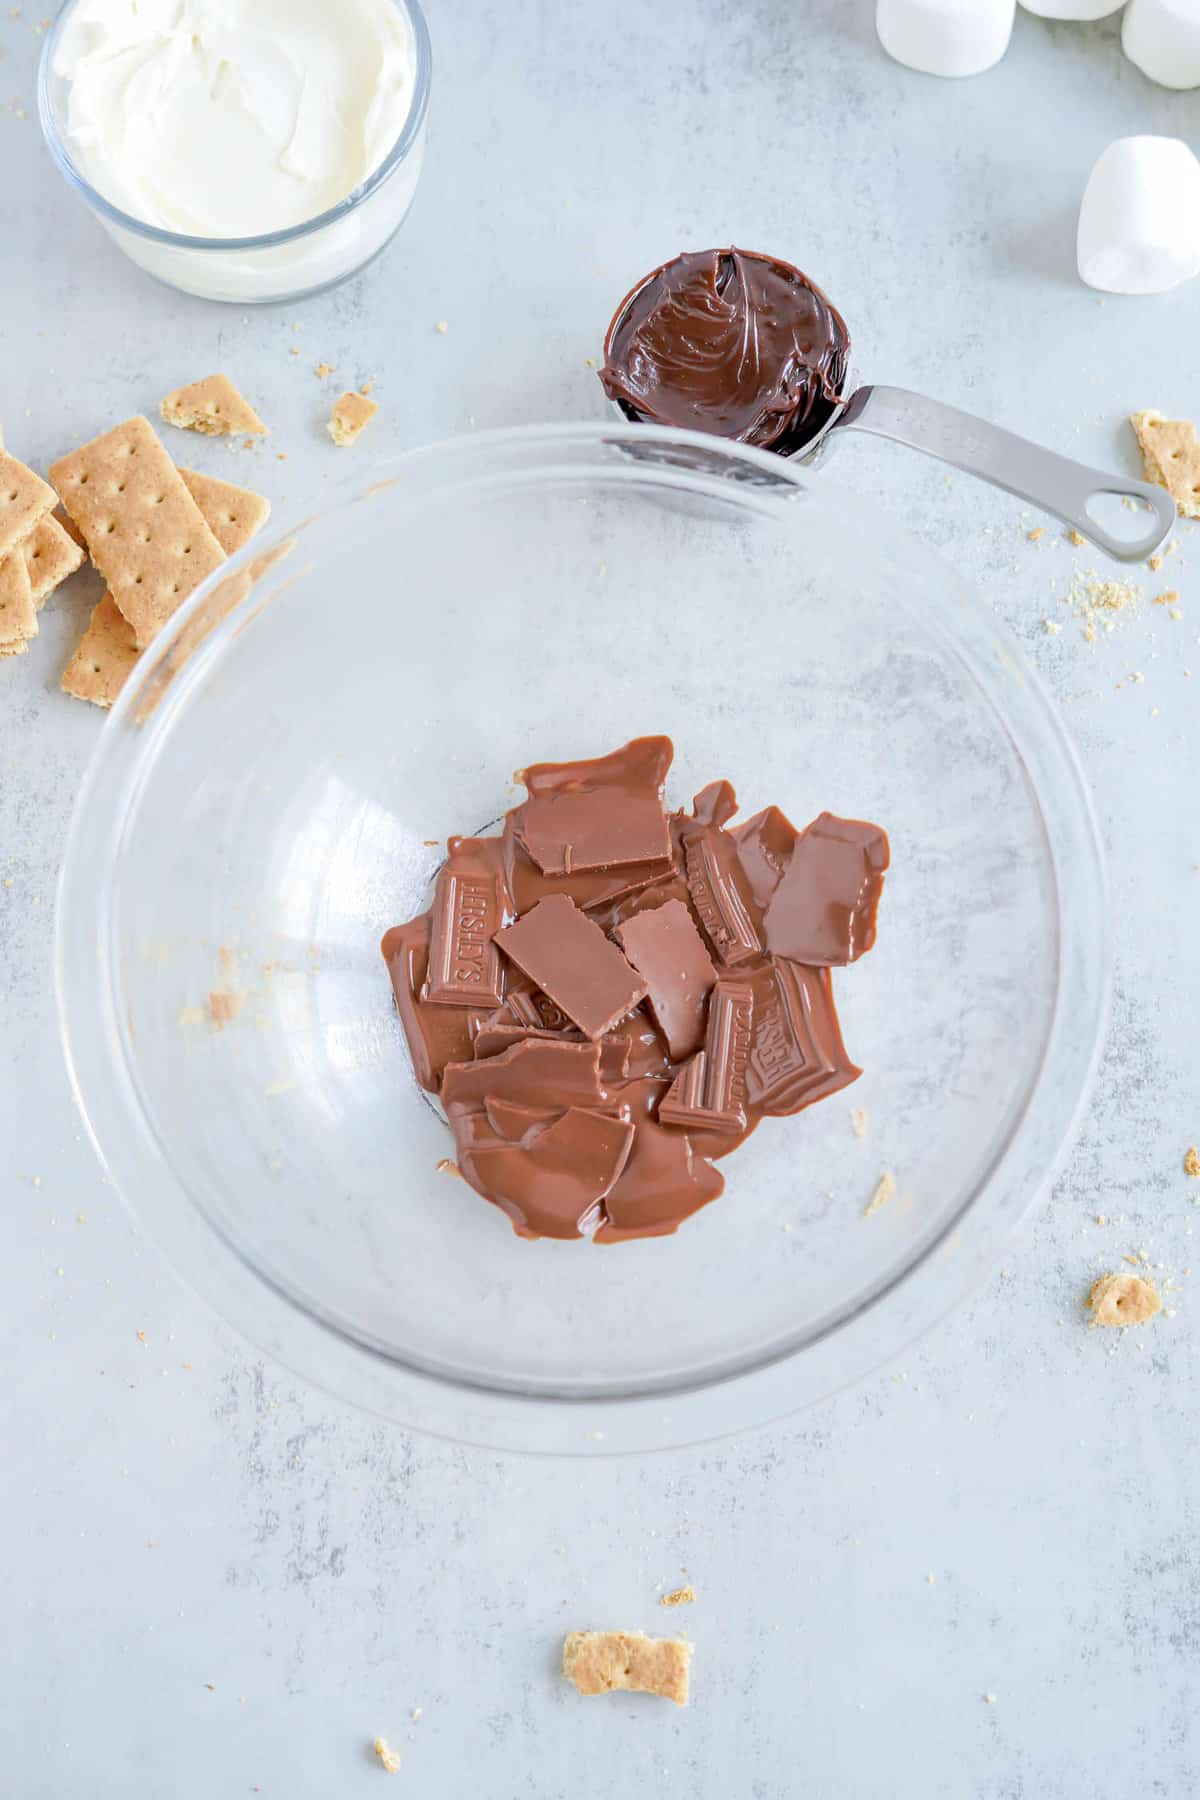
<point x="272" y="790"/>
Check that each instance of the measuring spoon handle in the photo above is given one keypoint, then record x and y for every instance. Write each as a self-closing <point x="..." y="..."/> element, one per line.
<point x="1054" y="483"/>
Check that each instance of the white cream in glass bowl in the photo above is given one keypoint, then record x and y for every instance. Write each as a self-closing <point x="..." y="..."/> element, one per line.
<point x="241" y="150"/>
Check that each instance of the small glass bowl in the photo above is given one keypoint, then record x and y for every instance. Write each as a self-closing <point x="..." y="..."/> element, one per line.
<point x="277" y="266"/>
<point x="274" y="789"/>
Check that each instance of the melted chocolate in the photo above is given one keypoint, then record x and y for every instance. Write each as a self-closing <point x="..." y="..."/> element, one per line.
<point x="651" y="1011"/>
<point x="730" y="342"/>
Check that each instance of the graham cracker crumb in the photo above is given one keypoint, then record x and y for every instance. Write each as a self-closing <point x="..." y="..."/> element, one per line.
<point x="386" y="1755"/>
<point x="1037" y="534"/>
<point x="684" y="1596"/>
<point x="442" y="327"/>
<point x="858" y="1121"/>
<point x="1077" y="538"/>
<point x="1191" y="1162"/>
<point x="350" y="416"/>
<point x="1122" y="1300"/>
<point x="446" y="1167"/>
<point x="324" y="370"/>
<point x="224" y="1005"/>
<point x="885" y="1189"/>
<point x="1097" y="602"/>
<point x="600" y="1662"/>
<point x="1168" y="598"/>
<point x="1155" y="563"/>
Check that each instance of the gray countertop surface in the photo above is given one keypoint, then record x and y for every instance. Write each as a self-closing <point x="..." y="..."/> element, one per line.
<point x="976" y="1573"/>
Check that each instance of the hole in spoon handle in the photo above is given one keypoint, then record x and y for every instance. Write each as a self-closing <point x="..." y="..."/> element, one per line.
<point x="1054" y="483"/>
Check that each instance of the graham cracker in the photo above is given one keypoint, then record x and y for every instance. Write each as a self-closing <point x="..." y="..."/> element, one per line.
<point x="24" y="497"/>
<point x="1170" y="457"/>
<point x="145" y="532"/>
<point x="213" y="406"/>
<point x="18" y="616"/>
<point x="14" y="647"/>
<point x="108" y="649"/>
<point x="51" y="554"/>
<point x="351" y="414"/>
<point x="233" y="514"/>
<point x="105" y="655"/>
<point x="598" y="1662"/>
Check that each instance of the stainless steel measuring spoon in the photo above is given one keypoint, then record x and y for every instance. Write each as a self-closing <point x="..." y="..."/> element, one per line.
<point x="718" y="322"/>
<point x="1055" y="484"/>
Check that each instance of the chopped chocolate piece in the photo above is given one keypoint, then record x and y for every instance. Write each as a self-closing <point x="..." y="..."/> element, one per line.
<point x="643" y="1049"/>
<point x="714" y="880"/>
<point x="516" y="1124"/>
<point x="710" y="1093"/>
<point x="537" y="1072"/>
<point x="664" y="1182"/>
<point x="796" y="1054"/>
<point x="597" y="814"/>
<point x="436" y="1035"/>
<point x="552" y="1185"/>
<point x="764" y="846"/>
<point x="494" y="1040"/>
<point x="668" y="952"/>
<point x="573" y="962"/>
<point x="823" y="910"/>
<point x="468" y="911"/>
<point x="587" y="887"/>
<point x="610" y="913"/>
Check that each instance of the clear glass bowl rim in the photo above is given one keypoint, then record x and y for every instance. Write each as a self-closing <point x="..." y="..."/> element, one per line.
<point x="270" y="240"/>
<point x="964" y="1254"/>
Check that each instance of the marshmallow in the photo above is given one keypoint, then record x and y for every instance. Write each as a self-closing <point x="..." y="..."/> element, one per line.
<point x="1139" y="225"/>
<point x="1163" y="38"/>
<point x="1072" y="9"/>
<point x="945" y="37"/>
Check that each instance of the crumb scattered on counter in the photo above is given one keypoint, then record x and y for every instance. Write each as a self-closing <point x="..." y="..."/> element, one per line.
<point x="324" y="370"/>
<point x="1191" y="1162"/>
<point x="885" y="1190"/>
<point x="442" y="327"/>
<point x="350" y="417"/>
<point x="1123" y="1300"/>
<point x="1037" y="534"/>
<point x="1169" y="598"/>
<point x="446" y="1167"/>
<point x="858" y="1121"/>
<point x="1077" y="538"/>
<point x="683" y="1596"/>
<point x="387" y="1756"/>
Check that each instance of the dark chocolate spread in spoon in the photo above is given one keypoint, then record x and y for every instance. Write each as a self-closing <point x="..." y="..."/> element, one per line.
<point x="729" y="342"/>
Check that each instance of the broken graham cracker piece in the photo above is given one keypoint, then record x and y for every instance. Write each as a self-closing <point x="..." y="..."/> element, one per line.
<point x="1191" y="1162"/>
<point x="18" y="615"/>
<point x="1170" y="457"/>
<point x="145" y="532"/>
<point x="1123" y="1300"/>
<point x="212" y="406"/>
<point x="681" y="1596"/>
<point x="600" y="1662"/>
<point x="104" y="657"/>
<point x="51" y="554"/>
<point x="350" y="417"/>
<point x="24" y="499"/>
<point x="233" y="514"/>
